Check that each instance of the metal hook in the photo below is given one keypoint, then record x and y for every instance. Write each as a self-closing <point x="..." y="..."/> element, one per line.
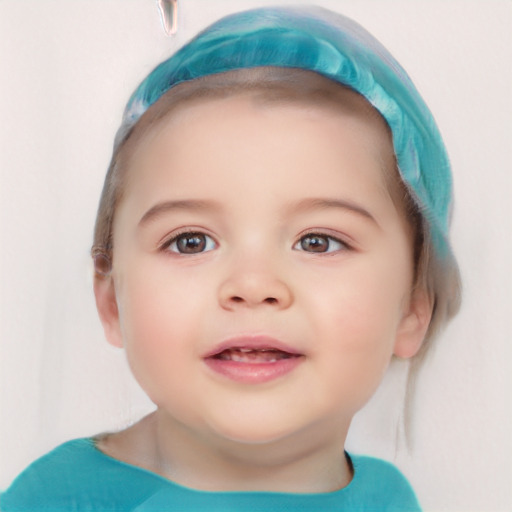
<point x="169" y="15"/>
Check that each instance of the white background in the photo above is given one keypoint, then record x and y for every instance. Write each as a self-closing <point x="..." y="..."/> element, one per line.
<point x="67" y="68"/>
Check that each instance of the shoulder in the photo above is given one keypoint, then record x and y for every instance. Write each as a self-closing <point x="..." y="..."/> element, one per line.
<point x="76" y="476"/>
<point x="383" y="485"/>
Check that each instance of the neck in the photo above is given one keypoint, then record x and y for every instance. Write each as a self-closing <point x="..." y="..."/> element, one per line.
<point x="305" y="462"/>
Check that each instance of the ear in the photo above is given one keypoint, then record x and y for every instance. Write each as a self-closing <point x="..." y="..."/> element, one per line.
<point x="413" y="325"/>
<point x="106" y="304"/>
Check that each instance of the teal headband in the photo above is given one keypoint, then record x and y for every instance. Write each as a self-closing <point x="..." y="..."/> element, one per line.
<point x="319" y="40"/>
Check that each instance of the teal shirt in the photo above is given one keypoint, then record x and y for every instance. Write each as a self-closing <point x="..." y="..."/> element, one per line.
<point x="76" y="476"/>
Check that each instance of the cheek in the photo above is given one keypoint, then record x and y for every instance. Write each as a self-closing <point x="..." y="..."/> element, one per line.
<point x="157" y="305"/>
<point x="359" y="356"/>
<point x="358" y="321"/>
<point x="157" y="327"/>
<point x="365" y="301"/>
<point x="364" y="343"/>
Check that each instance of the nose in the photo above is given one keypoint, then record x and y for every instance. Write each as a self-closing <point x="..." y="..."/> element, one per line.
<point x="246" y="288"/>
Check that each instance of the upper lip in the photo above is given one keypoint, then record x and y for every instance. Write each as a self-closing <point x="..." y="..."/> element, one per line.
<point x="252" y="342"/>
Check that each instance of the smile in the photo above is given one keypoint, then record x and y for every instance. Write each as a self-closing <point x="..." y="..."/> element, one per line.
<point x="254" y="360"/>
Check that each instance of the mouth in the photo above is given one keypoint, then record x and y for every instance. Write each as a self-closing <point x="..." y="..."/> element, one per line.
<point x="254" y="356"/>
<point x="253" y="360"/>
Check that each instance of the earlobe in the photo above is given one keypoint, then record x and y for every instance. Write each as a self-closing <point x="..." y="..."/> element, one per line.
<point x="414" y="325"/>
<point x="106" y="304"/>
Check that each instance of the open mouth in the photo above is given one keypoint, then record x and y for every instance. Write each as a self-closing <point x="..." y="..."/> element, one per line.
<point x="253" y="360"/>
<point x="254" y="356"/>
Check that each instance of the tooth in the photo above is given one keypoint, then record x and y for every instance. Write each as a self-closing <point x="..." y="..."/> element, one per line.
<point x="248" y="355"/>
<point x="239" y="358"/>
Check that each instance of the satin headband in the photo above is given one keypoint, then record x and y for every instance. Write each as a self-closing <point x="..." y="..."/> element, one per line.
<point x="328" y="43"/>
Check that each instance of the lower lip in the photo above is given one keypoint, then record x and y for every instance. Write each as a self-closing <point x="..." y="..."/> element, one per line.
<point x="253" y="373"/>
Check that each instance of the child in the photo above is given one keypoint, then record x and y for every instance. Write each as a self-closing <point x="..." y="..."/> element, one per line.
<point x="272" y="230"/>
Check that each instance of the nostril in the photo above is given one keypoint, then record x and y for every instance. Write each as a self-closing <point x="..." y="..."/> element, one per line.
<point x="268" y="300"/>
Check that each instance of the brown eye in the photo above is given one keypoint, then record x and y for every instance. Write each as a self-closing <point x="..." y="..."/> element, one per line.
<point x="319" y="243"/>
<point x="190" y="243"/>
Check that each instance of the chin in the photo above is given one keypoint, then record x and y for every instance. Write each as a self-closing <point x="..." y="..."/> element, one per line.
<point x="254" y="433"/>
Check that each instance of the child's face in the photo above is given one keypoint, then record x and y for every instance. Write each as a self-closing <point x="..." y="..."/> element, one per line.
<point x="293" y="243"/>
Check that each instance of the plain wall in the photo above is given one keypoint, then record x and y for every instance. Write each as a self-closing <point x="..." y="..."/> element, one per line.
<point x="68" y="67"/>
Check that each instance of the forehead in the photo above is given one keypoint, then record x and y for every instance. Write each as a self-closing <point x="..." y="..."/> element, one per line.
<point x="255" y="109"/>
<point x="268" y="86"/>
<point x="257" y="149"/>
<point x="264" y="90"/>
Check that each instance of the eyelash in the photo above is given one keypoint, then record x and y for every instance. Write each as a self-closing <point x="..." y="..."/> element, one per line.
<point x="340" y="245"/>
<point x="168" y="244"/>
<point x="209" y="244"/>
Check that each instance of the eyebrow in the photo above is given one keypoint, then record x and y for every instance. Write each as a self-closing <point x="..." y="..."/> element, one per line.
<point x="182" y="204"/>
<point x="328" y="203"/>
<point x="304" y="205"/>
